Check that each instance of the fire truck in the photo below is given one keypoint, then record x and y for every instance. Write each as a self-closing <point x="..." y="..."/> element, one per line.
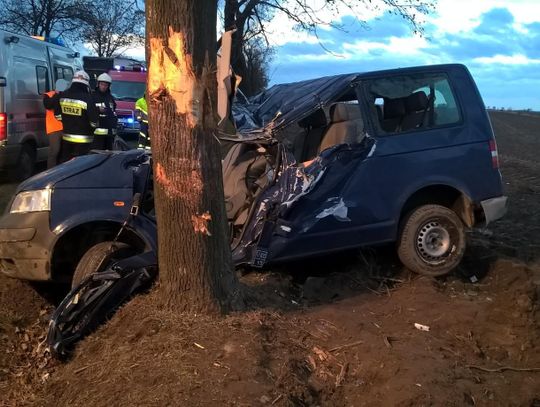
<point x="129" y="84"/>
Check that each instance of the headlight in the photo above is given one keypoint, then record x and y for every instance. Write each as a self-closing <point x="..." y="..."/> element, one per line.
<point x="32" y="201"/>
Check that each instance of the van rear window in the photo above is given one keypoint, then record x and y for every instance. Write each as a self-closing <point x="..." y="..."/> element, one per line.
<point x="412" y="102"/>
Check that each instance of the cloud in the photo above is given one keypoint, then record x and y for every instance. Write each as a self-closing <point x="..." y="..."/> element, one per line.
<point x="497" y="21"/>
<point x="501" y="43"/>
<point x="494" y="34"/>
<point x="531" y="41"/>
<point x="516" y="59"/>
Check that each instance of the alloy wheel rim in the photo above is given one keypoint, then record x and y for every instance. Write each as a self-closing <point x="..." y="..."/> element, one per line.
<point x="433" y="242"/>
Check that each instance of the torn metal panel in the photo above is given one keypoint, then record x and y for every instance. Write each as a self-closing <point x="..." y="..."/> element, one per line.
<point x="298" y="200"/>
<point x="281" y="105"/>
<point x="339" y="210"/>
<point x="227" y="84"/>
<point x="95" y="299"/>
<point x="224" y="76"/>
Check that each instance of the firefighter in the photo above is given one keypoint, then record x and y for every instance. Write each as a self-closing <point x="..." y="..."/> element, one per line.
<point x="53" y="127"/>
<point x="141" y="112"/>
<point x="106" y="105"/>
<point x="77" y="111"/>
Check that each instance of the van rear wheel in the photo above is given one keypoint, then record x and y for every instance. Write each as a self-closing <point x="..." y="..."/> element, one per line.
<point x="25" y="163"/>
<point x="98" y="258"/>
<point x="432" y="240"/>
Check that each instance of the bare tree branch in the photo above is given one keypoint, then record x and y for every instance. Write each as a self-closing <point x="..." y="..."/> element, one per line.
<point x="40" y="17"/>
<point x="251" y="19"/>
<point x="112" y="27"/>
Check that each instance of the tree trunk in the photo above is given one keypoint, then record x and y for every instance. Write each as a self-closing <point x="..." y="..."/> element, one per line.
<point x="195" y="266"/>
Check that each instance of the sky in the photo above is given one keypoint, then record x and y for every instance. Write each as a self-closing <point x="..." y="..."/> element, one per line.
<point x="498" y="40"/>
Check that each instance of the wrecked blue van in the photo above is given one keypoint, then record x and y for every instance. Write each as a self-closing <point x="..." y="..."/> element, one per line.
<point x="315" y="167"/>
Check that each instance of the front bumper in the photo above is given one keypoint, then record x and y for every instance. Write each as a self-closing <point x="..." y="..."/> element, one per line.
<point x="26" y="245"/>
<point x="494" y="208"/>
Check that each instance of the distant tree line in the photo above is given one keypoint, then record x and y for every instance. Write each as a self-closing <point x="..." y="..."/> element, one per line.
<point x="112" y="27"/>
<point x="509" y="109"/>
<point x="109" y="27"/>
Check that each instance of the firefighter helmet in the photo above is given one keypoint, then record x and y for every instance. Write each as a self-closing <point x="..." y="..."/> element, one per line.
<point x="104" y="78"/>
<point x="81" y="77"/>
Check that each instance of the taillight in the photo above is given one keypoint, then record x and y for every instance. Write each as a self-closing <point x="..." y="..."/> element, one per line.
<point x="3" y="126"/>
<point x="494" y="154"/>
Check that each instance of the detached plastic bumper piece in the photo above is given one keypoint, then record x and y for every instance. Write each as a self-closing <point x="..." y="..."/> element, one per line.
<point x="96" y="299"/>
<point x="494" y="208"/>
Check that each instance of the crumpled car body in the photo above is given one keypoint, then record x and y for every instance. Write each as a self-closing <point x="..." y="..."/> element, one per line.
<point x="95" y="299"/>
<point x="314" y="167"/>
<point x="320" y="196"/>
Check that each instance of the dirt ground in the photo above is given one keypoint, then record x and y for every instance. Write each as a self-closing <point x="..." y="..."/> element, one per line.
<point x="335" y="332"/>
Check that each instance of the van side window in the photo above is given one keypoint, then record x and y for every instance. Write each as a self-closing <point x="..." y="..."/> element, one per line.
<point x="24" y="75"/>
<point x="42" y="75"/>
<point x="63" y="72"/>
<point x="412" y="102"/>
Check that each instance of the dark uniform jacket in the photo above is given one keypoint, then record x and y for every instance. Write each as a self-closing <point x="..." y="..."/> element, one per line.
<point x="107" y="118"/>
<point x="76" y="110"/>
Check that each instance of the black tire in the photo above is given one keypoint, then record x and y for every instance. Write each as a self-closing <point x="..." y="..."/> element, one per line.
<point x="98" y="258"/>
<point x="432" y="240"/>
<point x="26" y="163"/>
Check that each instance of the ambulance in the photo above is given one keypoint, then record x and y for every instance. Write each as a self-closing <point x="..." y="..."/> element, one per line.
<point x="29" y="67"/>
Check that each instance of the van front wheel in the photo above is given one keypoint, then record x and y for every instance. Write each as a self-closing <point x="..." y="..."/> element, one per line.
<point x="98" y="258"/>
<point x="432" y="240"/>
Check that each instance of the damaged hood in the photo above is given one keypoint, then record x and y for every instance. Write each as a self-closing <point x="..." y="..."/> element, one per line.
<point x="105" y="169"/>
<point x="283" y="104"/>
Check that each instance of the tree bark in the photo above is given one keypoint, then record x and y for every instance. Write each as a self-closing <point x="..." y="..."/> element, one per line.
<point x="195" y="266"/>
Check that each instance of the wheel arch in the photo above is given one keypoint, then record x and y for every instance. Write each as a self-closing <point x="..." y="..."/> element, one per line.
<point x="30" y="141"/>
<point x="444" y="195"/>
<point x="73" y="243"/>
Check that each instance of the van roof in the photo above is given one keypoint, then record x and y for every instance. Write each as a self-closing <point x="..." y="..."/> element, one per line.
<point x="30" y="38"/>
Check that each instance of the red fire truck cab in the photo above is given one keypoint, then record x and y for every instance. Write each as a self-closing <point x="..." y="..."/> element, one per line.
<point x="127" y="87"/>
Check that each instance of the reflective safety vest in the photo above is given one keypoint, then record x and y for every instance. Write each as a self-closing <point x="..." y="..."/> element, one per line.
<point x="77" y="138"/>
<point x="141" y="110"/>
<point x="101" y="131"/>
<point x="144" y="141"/>
<point x="52" y="125"/>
